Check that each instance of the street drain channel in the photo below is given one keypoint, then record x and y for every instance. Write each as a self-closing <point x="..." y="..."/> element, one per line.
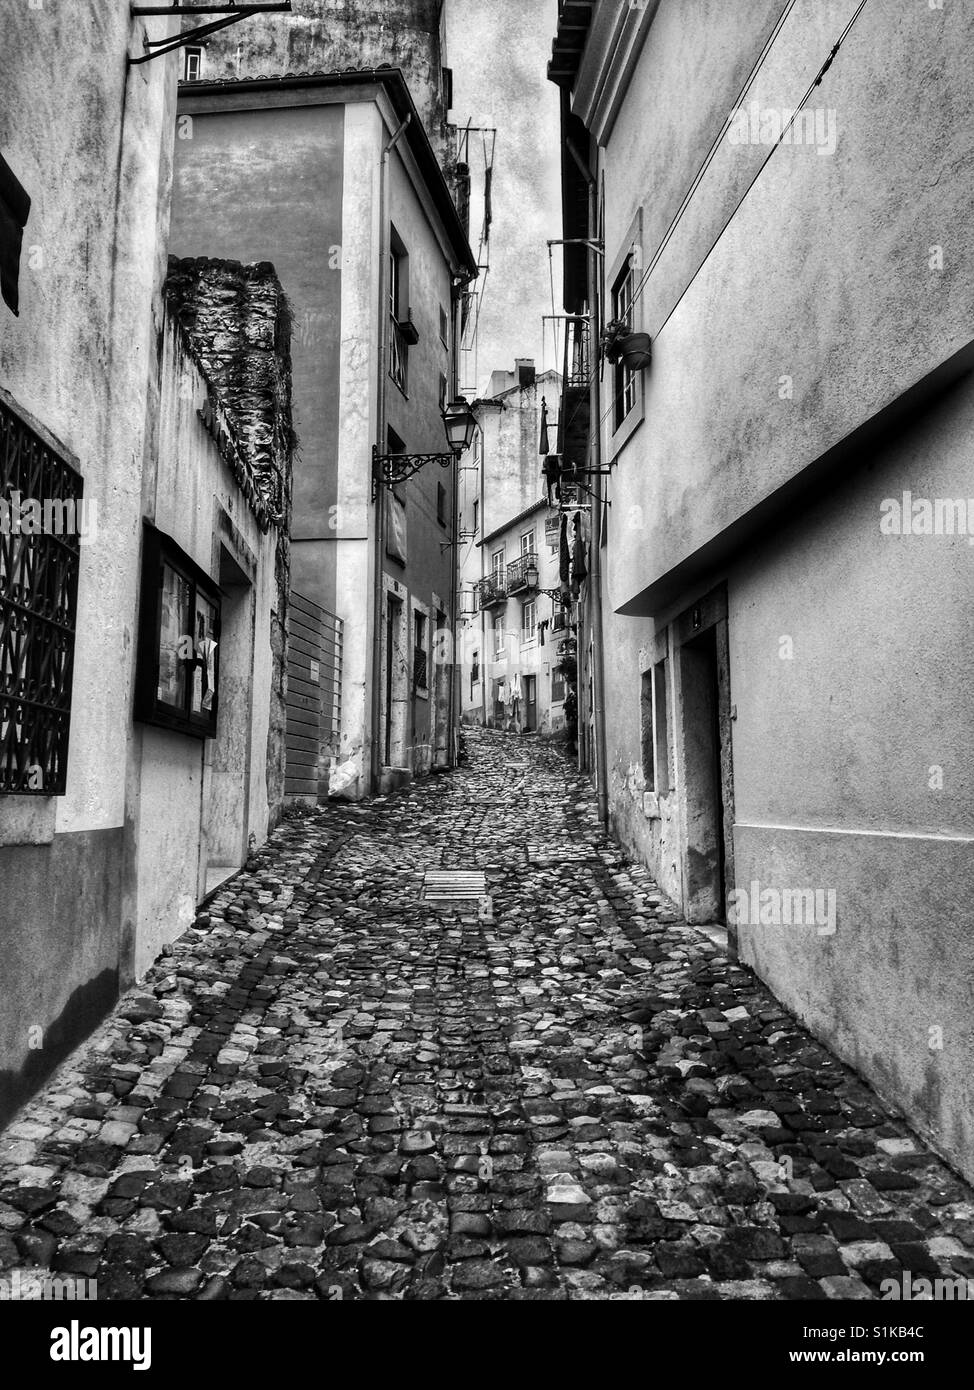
<point x="455" y="887"/>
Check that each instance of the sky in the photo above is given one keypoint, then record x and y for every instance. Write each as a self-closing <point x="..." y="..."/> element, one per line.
<point x="499" y="50"/>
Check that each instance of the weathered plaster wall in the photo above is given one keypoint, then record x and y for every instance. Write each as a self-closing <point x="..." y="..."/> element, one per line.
<point x="826" y="258"/>
<point x="192" y="495"/>
<point x="416" y="416"/>
<point x="91" y="144"/>
<point x="836" y="758"/>
<point x="823" y="284"/>
<point x="331" y="35"/>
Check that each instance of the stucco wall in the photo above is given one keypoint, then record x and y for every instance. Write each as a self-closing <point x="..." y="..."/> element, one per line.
<point x="824" y="261"/>
<point x="822" y="304"/>
<point x="192" y="496"/>
<point x="839" y="754"/>
<point x="90" y="142"/>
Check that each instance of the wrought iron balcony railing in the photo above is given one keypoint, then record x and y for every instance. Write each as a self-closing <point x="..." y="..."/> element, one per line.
<point x="491" y="591"/>
<point x="517" y="573"/>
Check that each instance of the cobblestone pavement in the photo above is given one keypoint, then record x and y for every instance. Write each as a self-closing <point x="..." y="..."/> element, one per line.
<point x="330" y="1089"/>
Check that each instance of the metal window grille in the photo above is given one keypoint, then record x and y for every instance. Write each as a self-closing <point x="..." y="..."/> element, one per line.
<point x="420" y="664"/>
<point x="38" y="608"/>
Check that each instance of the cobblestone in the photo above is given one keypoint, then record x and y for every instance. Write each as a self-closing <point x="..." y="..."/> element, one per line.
<point x="333" y="1089"/>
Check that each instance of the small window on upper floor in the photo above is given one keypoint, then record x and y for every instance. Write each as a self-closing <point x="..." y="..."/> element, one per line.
<point x="192" y="64"/>
<point x="623" y="378"/>
<point x="441" y="504"/>
<point x="444" y="327"/>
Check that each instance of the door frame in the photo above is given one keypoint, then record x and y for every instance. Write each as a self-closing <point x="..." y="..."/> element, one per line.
<point x="708" y="614"/>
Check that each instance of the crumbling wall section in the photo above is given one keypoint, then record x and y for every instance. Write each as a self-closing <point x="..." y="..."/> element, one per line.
<point x="238" y="322"/>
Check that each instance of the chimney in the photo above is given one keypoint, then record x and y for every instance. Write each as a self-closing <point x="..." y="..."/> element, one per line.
<point x="526" y="376"/>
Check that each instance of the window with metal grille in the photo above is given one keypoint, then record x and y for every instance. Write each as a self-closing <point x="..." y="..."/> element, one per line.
<point x="40" y="548"/>
<point x="177" y="679"/>
<point x="420" y="654"/>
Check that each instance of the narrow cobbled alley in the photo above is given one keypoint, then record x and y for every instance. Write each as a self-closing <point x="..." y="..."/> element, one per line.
<point x="334" y="1089"/>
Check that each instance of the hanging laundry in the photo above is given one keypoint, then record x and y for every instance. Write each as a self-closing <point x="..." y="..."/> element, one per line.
<point x="564" y="563"/>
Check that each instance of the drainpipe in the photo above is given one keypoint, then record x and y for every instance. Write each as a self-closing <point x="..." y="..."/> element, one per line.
<point x="595" y="434"/>
<point x="380" y="439"/>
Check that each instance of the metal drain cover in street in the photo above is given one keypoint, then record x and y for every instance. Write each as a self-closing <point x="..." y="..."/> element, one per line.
<point x="454" y="886"/>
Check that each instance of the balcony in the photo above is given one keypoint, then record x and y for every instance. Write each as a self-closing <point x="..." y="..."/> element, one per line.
<point x="570" y="497"/>
<point x="559" y="620"/>
<point x="491" y="591"/>
<point x="517" y="574"/>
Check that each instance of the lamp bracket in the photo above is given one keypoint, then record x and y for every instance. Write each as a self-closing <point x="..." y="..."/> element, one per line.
<point x="232" y="14"/>
<point x="389" y="470"/>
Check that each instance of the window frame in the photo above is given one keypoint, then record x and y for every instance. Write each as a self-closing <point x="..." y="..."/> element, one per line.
<point x="159" y="550"/>
<point x="529" y="634"/>
<point x="193" y="51"/>
<point x="625" y="270"/>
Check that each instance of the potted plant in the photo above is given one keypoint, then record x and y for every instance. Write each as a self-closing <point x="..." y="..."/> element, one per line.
<point x="620" y="344"/>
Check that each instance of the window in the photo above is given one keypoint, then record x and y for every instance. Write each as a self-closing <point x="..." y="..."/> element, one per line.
<point x="39" y="563"/>
<point x="623" y="379"/>
<point x="497" y="566"/>
<point x="420" y="654"/>
<point x="441" y="504"/>
<point x="193" y="65"/>
<point x="557" y="686"/>
<point x="660" y="730"/>
<point x="179" y="634"/>
<point x="498" y="634"/>
<point x="402" y="333"/>
<point x="529" y="621"/>
<point x="444" y="327"/>
<point x="648" y="738"/>
<point x="476" y="516"/>
<point x="527" y="543"/>
<point x="474" y="672"/>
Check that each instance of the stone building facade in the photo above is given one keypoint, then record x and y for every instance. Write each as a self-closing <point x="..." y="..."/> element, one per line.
<point x="374" y="253"/>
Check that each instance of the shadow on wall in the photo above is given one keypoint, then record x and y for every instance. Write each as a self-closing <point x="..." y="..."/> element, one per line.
<point x="84" y="1011"/>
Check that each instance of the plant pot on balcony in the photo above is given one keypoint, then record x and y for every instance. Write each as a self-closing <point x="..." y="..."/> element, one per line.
<point x="635" y="351"/>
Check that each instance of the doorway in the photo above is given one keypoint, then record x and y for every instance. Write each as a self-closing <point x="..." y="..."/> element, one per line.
<point x="396" y="690"/>
<point x="530" y="704"/>
<point x="227" y="798"/>
<point x="708" y="770"/>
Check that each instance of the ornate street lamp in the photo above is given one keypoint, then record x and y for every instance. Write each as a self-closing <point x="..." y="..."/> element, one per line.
<point x="460" y="425"/>
<point x="531" y="575"/>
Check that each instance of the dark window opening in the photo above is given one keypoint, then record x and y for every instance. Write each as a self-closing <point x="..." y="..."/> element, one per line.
<point x="39" y="565"/>
<point x="420" y="654"/>
<point x="623" y="378"/>
<point x="179" y="640"/>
